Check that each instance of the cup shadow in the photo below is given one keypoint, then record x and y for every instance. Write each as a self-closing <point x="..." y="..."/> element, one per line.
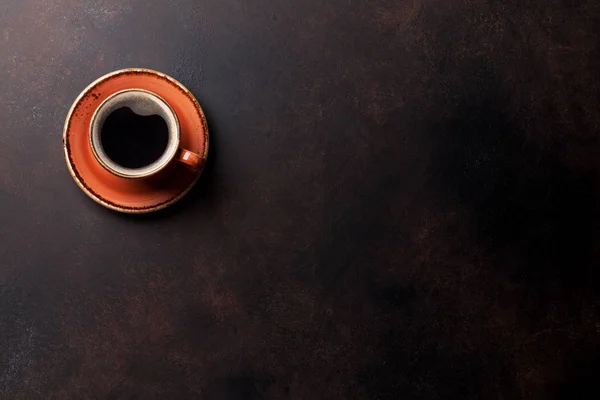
<point x="203" y="193"/>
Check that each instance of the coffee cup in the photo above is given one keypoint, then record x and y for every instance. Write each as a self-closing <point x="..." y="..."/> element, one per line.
<point x="135" y="133"/>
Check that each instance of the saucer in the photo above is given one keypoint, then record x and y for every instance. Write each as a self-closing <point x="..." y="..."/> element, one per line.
<point x="134" y="196"/>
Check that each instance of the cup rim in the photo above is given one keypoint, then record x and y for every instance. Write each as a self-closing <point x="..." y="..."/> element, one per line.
<point x="135" y="173"/>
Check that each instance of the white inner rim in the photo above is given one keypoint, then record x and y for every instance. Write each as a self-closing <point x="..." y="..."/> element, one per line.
<point x="142" y="103"/>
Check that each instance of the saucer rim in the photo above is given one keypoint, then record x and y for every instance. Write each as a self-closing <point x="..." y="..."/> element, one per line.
<point x="104" y="202"/>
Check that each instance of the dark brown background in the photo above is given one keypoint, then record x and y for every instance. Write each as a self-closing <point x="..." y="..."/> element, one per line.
<point x="402" y="201"/>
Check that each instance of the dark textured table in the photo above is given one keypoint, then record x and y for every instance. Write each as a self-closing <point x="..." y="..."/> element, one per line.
<point x="402" y="202"/>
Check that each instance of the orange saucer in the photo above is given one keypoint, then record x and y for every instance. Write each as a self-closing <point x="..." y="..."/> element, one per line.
<point x="134" y="195"/>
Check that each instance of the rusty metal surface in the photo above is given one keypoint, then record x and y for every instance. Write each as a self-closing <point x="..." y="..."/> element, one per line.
<point x="401" y="202"/>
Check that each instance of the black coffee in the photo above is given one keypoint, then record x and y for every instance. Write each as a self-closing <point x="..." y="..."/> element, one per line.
<point x="132" y="140"/>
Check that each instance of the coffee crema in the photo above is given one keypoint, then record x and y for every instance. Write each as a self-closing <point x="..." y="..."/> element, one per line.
<point x="132" y="140"/>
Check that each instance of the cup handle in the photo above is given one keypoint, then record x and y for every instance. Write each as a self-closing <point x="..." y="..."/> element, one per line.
<point x="190" y="158"/>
